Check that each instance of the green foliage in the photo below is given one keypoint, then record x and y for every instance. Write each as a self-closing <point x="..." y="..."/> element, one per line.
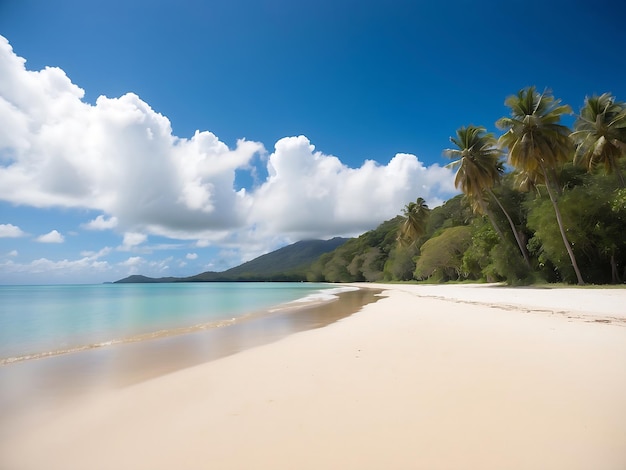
<point x="415" y="219"/>
<point x="476" y="161"/>
<point x="359" y="259"/>
<point x="453" y="212"/>
<point x="400" y="264"/>
<point x="533" y="135"/>
<point x="583" y="218"/>
<point x="600" y="134"/>
<point x="618" y="202"/>
<point x="477" y="260"/>
<point x="508" y="266"/>
<point x="441" y="257"/>
<point x="595" y="219"/>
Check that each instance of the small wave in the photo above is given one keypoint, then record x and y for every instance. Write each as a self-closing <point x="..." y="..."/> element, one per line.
<point x="325" y="295"/>
<point x="129" y="339"/>
<point x="321" y="296"/>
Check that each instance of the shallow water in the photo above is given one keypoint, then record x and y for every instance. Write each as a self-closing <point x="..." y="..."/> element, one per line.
<point x="37" y="321"/>
<point x="42" y="383"/>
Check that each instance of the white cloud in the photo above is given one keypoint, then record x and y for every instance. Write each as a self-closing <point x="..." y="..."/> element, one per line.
<point x="120" y="157"/>
<point x="132" y="239"/>
<point x="51" y="237"/>
<point x="10" y="231"/>
<point x="312" y="194"/>
<point x="132" y="261"/>
<point x="100" y="223"/>
<point x="97" y="254"/>
<point x="44" y="265"/>
<point x="191" y="256"/>
<point x="161" y="266"/>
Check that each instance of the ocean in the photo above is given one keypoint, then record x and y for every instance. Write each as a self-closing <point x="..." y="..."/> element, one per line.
<point x="41" y="321"/>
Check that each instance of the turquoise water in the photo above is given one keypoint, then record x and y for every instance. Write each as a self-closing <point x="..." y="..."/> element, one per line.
<point x="37" y="321"/>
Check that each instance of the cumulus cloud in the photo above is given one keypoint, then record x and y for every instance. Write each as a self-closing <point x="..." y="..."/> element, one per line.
<point x="310" y="193"/>
<point x="133" y="239"/>
<point x="10" y="231"/>
<point x="51" y="237"/>
<point x="191" y="256"/>
<point x="120" y="157"/>
<point x="132" y="262"/>
<point x="100" y="223"/>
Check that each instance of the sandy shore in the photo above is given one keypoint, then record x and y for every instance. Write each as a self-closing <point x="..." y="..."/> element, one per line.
<point x="429" y="377"/>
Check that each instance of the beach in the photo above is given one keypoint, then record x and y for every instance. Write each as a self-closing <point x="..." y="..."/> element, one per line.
<point x="428" y="377"/>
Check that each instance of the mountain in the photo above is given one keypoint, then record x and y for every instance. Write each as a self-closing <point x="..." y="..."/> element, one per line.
<point x="139" y="279"/>
<point x="289" y="263"/>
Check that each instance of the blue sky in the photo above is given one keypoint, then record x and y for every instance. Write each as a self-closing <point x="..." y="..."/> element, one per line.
<point x="171" y="138"/>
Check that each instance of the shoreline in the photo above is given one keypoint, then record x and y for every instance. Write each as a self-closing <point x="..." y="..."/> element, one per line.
<point x="67" y="374"/>
<point x="158" y="331"/>
<point x="459" y="377"/>
<point x="309" y="301"/>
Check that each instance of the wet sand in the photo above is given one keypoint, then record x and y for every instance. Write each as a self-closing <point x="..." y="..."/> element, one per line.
<point x="458" y="377"/>
<point x="53" y="381"/>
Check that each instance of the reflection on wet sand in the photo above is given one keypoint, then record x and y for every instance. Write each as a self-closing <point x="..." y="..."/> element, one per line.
<point x="42" y="382"/>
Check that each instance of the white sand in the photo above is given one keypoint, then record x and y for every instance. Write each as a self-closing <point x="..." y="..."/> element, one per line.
<point x="414" y="381"/>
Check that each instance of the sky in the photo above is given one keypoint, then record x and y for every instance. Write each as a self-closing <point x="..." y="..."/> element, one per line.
<point x="169" y="138"/>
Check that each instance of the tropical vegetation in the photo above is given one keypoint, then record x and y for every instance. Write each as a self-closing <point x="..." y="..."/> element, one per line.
<point x="560" y="192"/>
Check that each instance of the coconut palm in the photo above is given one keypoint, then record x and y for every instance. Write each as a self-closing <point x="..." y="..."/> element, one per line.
<point x="415" y="218"/>
<point x="478" y="170"/>
<point x="538" y="144"/>
<point x="600" y="134"/>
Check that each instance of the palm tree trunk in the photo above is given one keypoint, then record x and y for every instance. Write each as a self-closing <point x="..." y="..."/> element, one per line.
<point x="555" y="179"/>
<point x="485" y="210"/>
<point x="521" y="246"/>
<point x="614" y="274"/>
<point x="559" y="220"/>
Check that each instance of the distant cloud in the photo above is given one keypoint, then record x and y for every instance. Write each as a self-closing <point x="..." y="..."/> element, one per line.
<point x="44" y="265"/>
<point x="133" y="263"/>
<point x="120" y="157"/>
<point x="132" y="239"/>
<point x="160" y="266"/>
<point x="10" y="231"/>
<point x="12" y="253"/>
<point x="100" y="223"/>
<point x="191" y="256"/>
<point x="51" y="237"/>
<point x="96" y="254"/>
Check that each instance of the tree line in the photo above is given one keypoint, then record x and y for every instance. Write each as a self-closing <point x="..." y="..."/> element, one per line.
<point x="542" y="202"/>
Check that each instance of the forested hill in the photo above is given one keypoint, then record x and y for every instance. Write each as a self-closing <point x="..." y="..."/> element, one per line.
<point x="290" y="263"/>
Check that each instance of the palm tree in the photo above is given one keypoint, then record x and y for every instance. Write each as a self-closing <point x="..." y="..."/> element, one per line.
<point x="479" y="168"/>
<point x="415" y="218"/>
<point x="538" y="144"/>
<point x="600" y="134"/>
